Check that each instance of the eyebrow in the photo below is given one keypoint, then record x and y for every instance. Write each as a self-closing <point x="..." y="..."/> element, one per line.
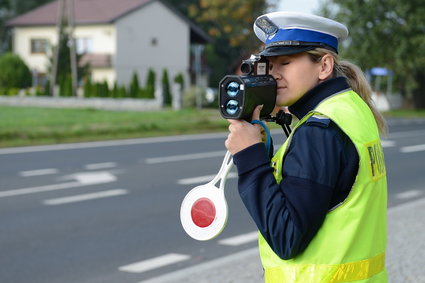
<point x="281" y="57"/>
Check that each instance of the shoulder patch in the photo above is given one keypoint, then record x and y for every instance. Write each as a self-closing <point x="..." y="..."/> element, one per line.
<point x="318" y="120"/>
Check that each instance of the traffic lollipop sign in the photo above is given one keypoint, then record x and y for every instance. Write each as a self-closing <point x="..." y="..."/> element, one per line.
<point x="203" y="212"/>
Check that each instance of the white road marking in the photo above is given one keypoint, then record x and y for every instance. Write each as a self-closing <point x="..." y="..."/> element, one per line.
<point x="72" y="146"/>
<point x="88" y="178"/>
<point x="85" y="197"/>
<point x="216" y="264"/>
<point x="83" y="179"/>
<point x="387" y="143"/>
<point x="412" y="148"/>
<point x="39" y="172"/>
<point x="409" y="194"/>
<point x="185" y="157"/>
<point x="240" y="240"/>
<point x="97" y="166"/>
<point x="25" y="191"/>
<point x="203" y="179"/>
<point x="157" y="262"/>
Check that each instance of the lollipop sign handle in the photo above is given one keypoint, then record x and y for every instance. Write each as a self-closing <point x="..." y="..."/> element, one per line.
<point x="225" y="168"/>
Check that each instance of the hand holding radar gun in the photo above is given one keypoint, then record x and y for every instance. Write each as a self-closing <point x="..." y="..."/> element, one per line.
<point x="204" y="210"/>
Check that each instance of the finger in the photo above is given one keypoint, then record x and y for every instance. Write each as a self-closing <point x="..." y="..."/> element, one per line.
<point x="233" y="121"/>
<point x="256" y="113"/>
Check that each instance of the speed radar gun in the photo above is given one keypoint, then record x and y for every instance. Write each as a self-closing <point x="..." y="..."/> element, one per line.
<point x="239" y="95"/>
<point x="204" y="211"/>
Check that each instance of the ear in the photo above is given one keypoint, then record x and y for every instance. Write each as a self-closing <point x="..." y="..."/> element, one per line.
<point x="326" y="67"/>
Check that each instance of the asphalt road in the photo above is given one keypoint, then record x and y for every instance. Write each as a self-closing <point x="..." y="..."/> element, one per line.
<point x="109" y="211"/>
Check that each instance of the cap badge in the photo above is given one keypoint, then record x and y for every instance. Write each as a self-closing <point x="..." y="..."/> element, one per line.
<point x="266" y="25"/>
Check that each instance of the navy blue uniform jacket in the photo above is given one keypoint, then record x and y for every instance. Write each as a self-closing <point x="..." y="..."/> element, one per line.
<point x="319" y="170"/>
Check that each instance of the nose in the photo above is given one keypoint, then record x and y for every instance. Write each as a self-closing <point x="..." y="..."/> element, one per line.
<point x="276" y="75"/>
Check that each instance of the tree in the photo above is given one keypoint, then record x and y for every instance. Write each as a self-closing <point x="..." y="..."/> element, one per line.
<point x="150" y="84"/>
<point x="229" y="23"/>
<point x="14" y="73"/>
<point x="166" y="88"/>
<point x="64" y="61"/>
<point x="115" y="93"/>
<point x="179" y="79"/>
<point x="88" y="87"/>
<point x="10" y="9"/>
<point x="388" y="34"/>
<point x="134" y="86"/>
<point x="65" y="84"/>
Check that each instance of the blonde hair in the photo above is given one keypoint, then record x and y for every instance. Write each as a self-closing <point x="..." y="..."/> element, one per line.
<point x="356" y="80"/>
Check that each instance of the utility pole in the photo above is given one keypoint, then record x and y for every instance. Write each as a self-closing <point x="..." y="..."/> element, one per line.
<point x="73" y="55"/>
<point x="65" y="13"/>
<point x="198" y="48"/>
<point x="59" y="23"/>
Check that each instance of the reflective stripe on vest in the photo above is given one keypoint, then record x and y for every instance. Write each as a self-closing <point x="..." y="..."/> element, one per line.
<point x="350" y="244"/>
<point x="333" y="273"/>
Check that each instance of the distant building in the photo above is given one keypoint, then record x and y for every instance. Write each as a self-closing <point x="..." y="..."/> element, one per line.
<point x="117" y="38"/>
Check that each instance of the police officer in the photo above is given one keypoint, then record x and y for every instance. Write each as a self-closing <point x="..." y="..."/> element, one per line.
<point x="320" y="202"/>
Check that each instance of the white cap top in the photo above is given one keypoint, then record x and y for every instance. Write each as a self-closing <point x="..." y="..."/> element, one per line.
<point x="293" y="32"/>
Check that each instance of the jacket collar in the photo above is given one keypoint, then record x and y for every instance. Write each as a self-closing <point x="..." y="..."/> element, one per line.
<point x="316" y="95"/>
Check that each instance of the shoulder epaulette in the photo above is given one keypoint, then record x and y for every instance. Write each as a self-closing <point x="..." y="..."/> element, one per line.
<point x="318" y="120"/>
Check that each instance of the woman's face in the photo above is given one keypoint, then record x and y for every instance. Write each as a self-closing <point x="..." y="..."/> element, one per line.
<point x="295" y="75"/>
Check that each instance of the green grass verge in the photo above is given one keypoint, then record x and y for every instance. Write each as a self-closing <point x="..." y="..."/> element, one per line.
<point x="21" y="126"/>
<point x="401" y="113"/>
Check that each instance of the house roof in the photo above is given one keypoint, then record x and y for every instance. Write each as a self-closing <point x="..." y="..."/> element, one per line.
<point x="97" y="12"/>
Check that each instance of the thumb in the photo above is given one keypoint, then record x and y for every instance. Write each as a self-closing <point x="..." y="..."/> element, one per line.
<point x="256" y="112"/>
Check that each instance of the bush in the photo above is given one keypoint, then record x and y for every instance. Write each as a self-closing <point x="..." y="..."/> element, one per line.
<point x="14" y="73"/>
<point x="65" y="85"/>
<point x="105" y="89"/>
<point x="166" y="89"/>
<point x="9" y="91"/>
<point x="134" y="86"/>
<point x="189" y="97"/>
<point x="134" y="90"/>
<point x="179" y="79"/>
<point x="39" y="91"/>
<point x="150" y="85"/>
<point x="123" y="91"/>
<point x="88" y="87"/>
<point x="115" y="91"/>
<point x="101" y="89"/>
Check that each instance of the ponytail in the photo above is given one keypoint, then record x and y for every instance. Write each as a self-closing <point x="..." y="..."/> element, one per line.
<point x="356" y="80"/>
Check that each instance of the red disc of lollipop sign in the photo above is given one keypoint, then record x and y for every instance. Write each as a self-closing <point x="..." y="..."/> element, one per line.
<point x="203" y="212"/>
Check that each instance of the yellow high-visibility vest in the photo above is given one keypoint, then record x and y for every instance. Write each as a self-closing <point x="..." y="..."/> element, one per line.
<point x="350" y="244"/>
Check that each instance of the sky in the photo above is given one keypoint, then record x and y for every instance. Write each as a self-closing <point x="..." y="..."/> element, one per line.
<point x="306" y="6"/>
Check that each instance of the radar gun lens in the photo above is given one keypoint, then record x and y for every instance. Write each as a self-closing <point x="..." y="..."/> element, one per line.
<point x="232" y="89"/>
<point x="232" y="107"/>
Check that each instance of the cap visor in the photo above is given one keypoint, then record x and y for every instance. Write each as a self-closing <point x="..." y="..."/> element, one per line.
<point x="284" y="50"/>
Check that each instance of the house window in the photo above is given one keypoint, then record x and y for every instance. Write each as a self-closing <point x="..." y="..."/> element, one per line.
<point x="39" y="45"/>
<point x="84" y="45"/>
<point x="39" y="79"/>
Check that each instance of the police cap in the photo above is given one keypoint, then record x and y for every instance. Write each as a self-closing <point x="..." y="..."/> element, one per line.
<point x="286" y="33"/>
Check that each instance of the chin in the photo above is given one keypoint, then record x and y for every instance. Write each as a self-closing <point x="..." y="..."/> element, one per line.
<point x="282" y="102"/>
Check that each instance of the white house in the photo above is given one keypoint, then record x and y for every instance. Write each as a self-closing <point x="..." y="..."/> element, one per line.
<point x="117" y="38"/>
